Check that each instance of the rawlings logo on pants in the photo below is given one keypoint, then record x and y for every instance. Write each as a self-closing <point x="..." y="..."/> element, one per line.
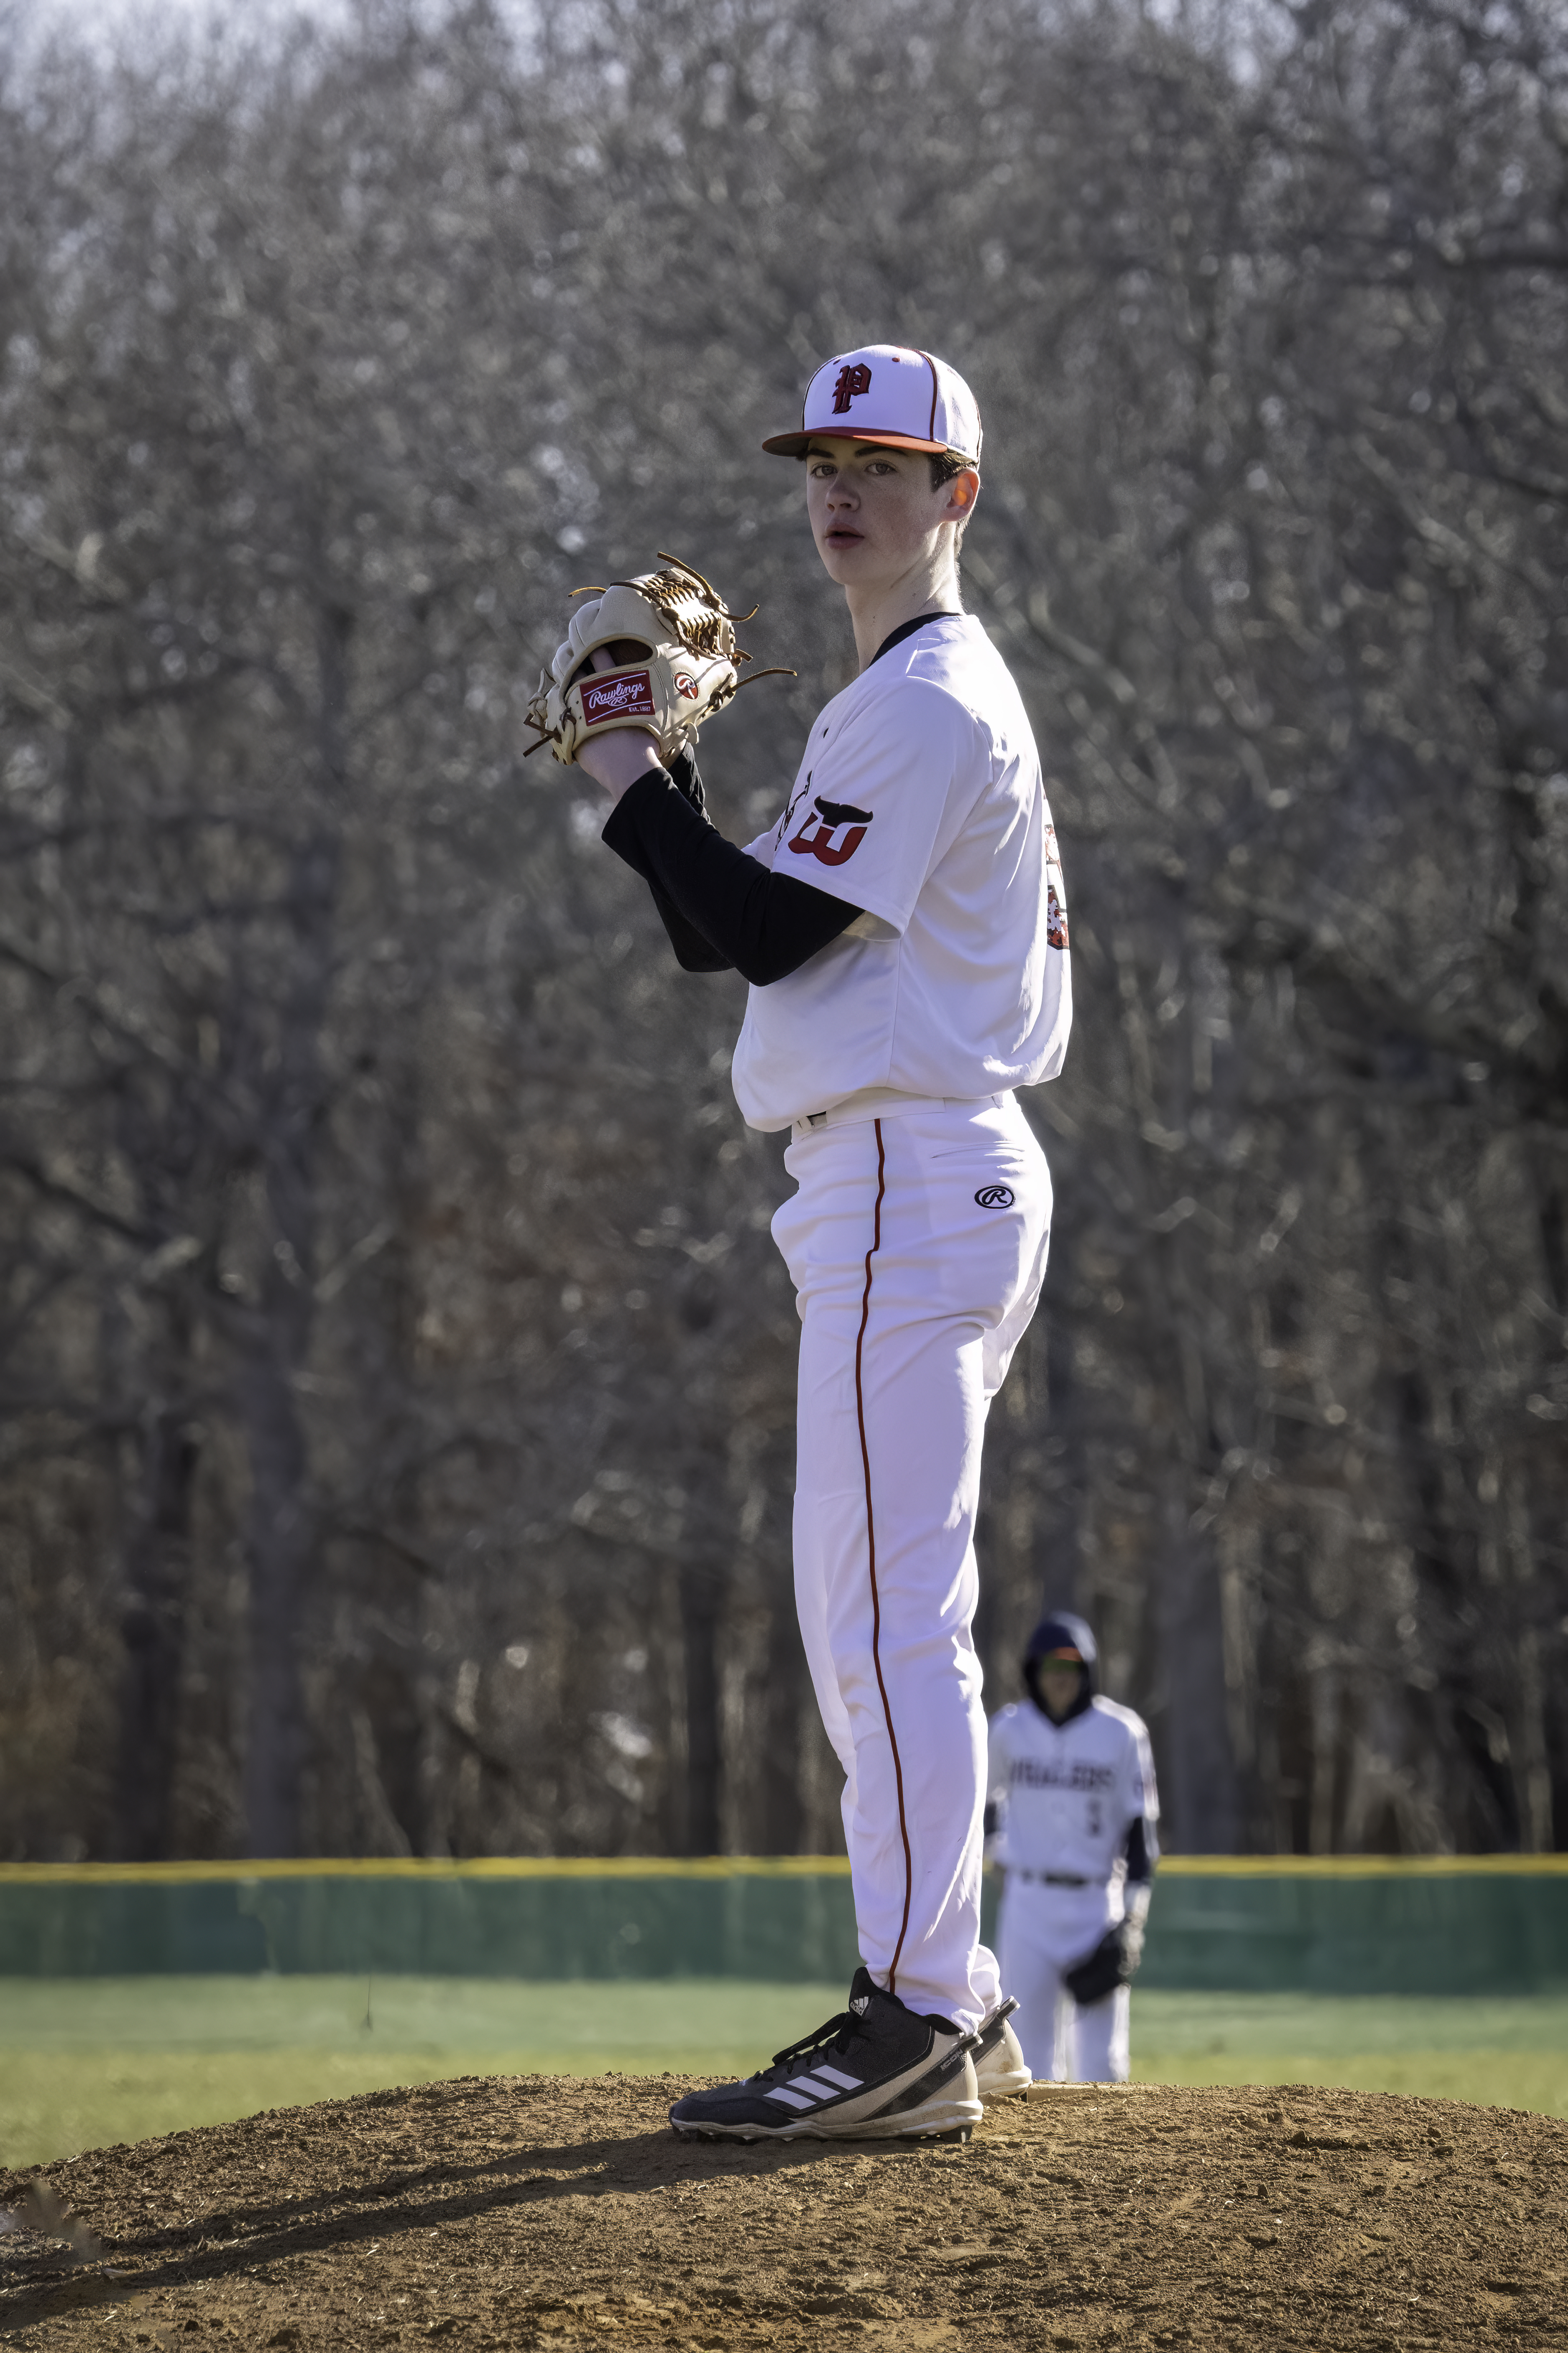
<point x="828" y="819"/>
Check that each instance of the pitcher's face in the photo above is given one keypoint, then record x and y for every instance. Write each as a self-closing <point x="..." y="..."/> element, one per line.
<point x="874" y="514"/>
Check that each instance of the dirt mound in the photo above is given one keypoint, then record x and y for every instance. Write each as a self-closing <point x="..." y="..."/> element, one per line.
<point x="549" y="2211"/>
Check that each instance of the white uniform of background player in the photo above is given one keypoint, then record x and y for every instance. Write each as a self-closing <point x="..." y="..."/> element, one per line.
<point x="916" y="1237"/>
<point x="1075" y="1806"/>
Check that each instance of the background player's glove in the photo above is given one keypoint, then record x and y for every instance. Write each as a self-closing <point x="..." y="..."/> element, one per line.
<point x="672" y="637"/>
<point x="1110" y="1965"/>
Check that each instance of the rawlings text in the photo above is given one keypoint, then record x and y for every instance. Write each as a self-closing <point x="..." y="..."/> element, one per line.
<point x="617" y="698"/>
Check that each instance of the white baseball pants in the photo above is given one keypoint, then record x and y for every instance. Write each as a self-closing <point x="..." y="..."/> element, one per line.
<point x="1043" y="1931"/>
<point x="917" y="1245"/>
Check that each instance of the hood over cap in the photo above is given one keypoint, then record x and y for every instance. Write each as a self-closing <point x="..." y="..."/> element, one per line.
<point x="1061" y="1629"/>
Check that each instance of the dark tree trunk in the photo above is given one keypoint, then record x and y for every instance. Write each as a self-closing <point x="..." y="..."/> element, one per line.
<point x="282" y="1536"/>
<point x="782" y="1812"/>
<point x="1198" y="1789"/>
<point x="280" y="1541"/>
<point x="699" y="1626"/>
<point x="157" y="1568"/>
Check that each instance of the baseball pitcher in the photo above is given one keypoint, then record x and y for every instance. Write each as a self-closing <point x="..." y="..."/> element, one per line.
<point x="902" y="926"/>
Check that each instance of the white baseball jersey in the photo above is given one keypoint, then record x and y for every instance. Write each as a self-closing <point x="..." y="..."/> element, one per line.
<point x="1070" y="1791"/>
<point x="918" y="800"/>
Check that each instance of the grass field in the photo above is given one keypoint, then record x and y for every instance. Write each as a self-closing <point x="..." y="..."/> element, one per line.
<point x="85" y="2062"/>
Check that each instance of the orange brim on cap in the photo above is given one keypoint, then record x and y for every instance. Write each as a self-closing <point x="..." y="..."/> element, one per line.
<point x="794" y="445"/>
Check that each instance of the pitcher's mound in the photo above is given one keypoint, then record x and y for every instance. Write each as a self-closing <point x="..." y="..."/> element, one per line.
<point x="547" y="2210"/>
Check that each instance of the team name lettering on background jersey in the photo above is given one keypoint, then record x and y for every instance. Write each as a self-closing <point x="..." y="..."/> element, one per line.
<point x="1058" y="1773"/>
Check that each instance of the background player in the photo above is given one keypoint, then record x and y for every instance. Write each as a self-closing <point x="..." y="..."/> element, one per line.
<point x="1073" y="1800"/>
<point x="902" y="926"/>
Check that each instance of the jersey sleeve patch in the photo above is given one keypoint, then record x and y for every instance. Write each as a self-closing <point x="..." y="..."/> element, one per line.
<point x="832" y="832"/>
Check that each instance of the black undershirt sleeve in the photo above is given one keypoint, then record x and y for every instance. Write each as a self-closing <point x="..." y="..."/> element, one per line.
<point x="1141" y="1849"/>
<point x="693" y="952"/>
<point x="721" y="909"/>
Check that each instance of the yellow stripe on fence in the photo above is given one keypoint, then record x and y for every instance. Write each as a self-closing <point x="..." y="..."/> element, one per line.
<point x="736" y="1866"/>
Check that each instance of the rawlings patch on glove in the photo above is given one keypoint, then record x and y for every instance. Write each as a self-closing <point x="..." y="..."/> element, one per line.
<point x="675" y="662"/>
<point x="1110" y="1965"/>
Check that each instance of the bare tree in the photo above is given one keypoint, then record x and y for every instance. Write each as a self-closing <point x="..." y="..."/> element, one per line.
<point x="393" y="1330"/>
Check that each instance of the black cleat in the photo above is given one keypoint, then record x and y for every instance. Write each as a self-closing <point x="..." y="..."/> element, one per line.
<point x="876" y="2071"/>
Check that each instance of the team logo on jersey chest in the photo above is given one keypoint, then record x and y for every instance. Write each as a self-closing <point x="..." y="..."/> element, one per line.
<point x="833" y="832"/>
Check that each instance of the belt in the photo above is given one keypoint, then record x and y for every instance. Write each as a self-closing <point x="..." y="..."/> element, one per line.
<point x="888" y="1102"/>
<point x="1052" y="1878"/>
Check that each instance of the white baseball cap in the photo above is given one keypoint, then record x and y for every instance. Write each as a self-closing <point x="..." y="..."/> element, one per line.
<point x="885" y="392"/>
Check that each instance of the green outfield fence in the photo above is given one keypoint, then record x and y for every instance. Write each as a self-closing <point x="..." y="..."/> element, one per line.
<point x="1492" y="1923"/>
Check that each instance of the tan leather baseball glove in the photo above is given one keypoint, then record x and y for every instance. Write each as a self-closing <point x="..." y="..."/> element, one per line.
<point x="675" y="661"/>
